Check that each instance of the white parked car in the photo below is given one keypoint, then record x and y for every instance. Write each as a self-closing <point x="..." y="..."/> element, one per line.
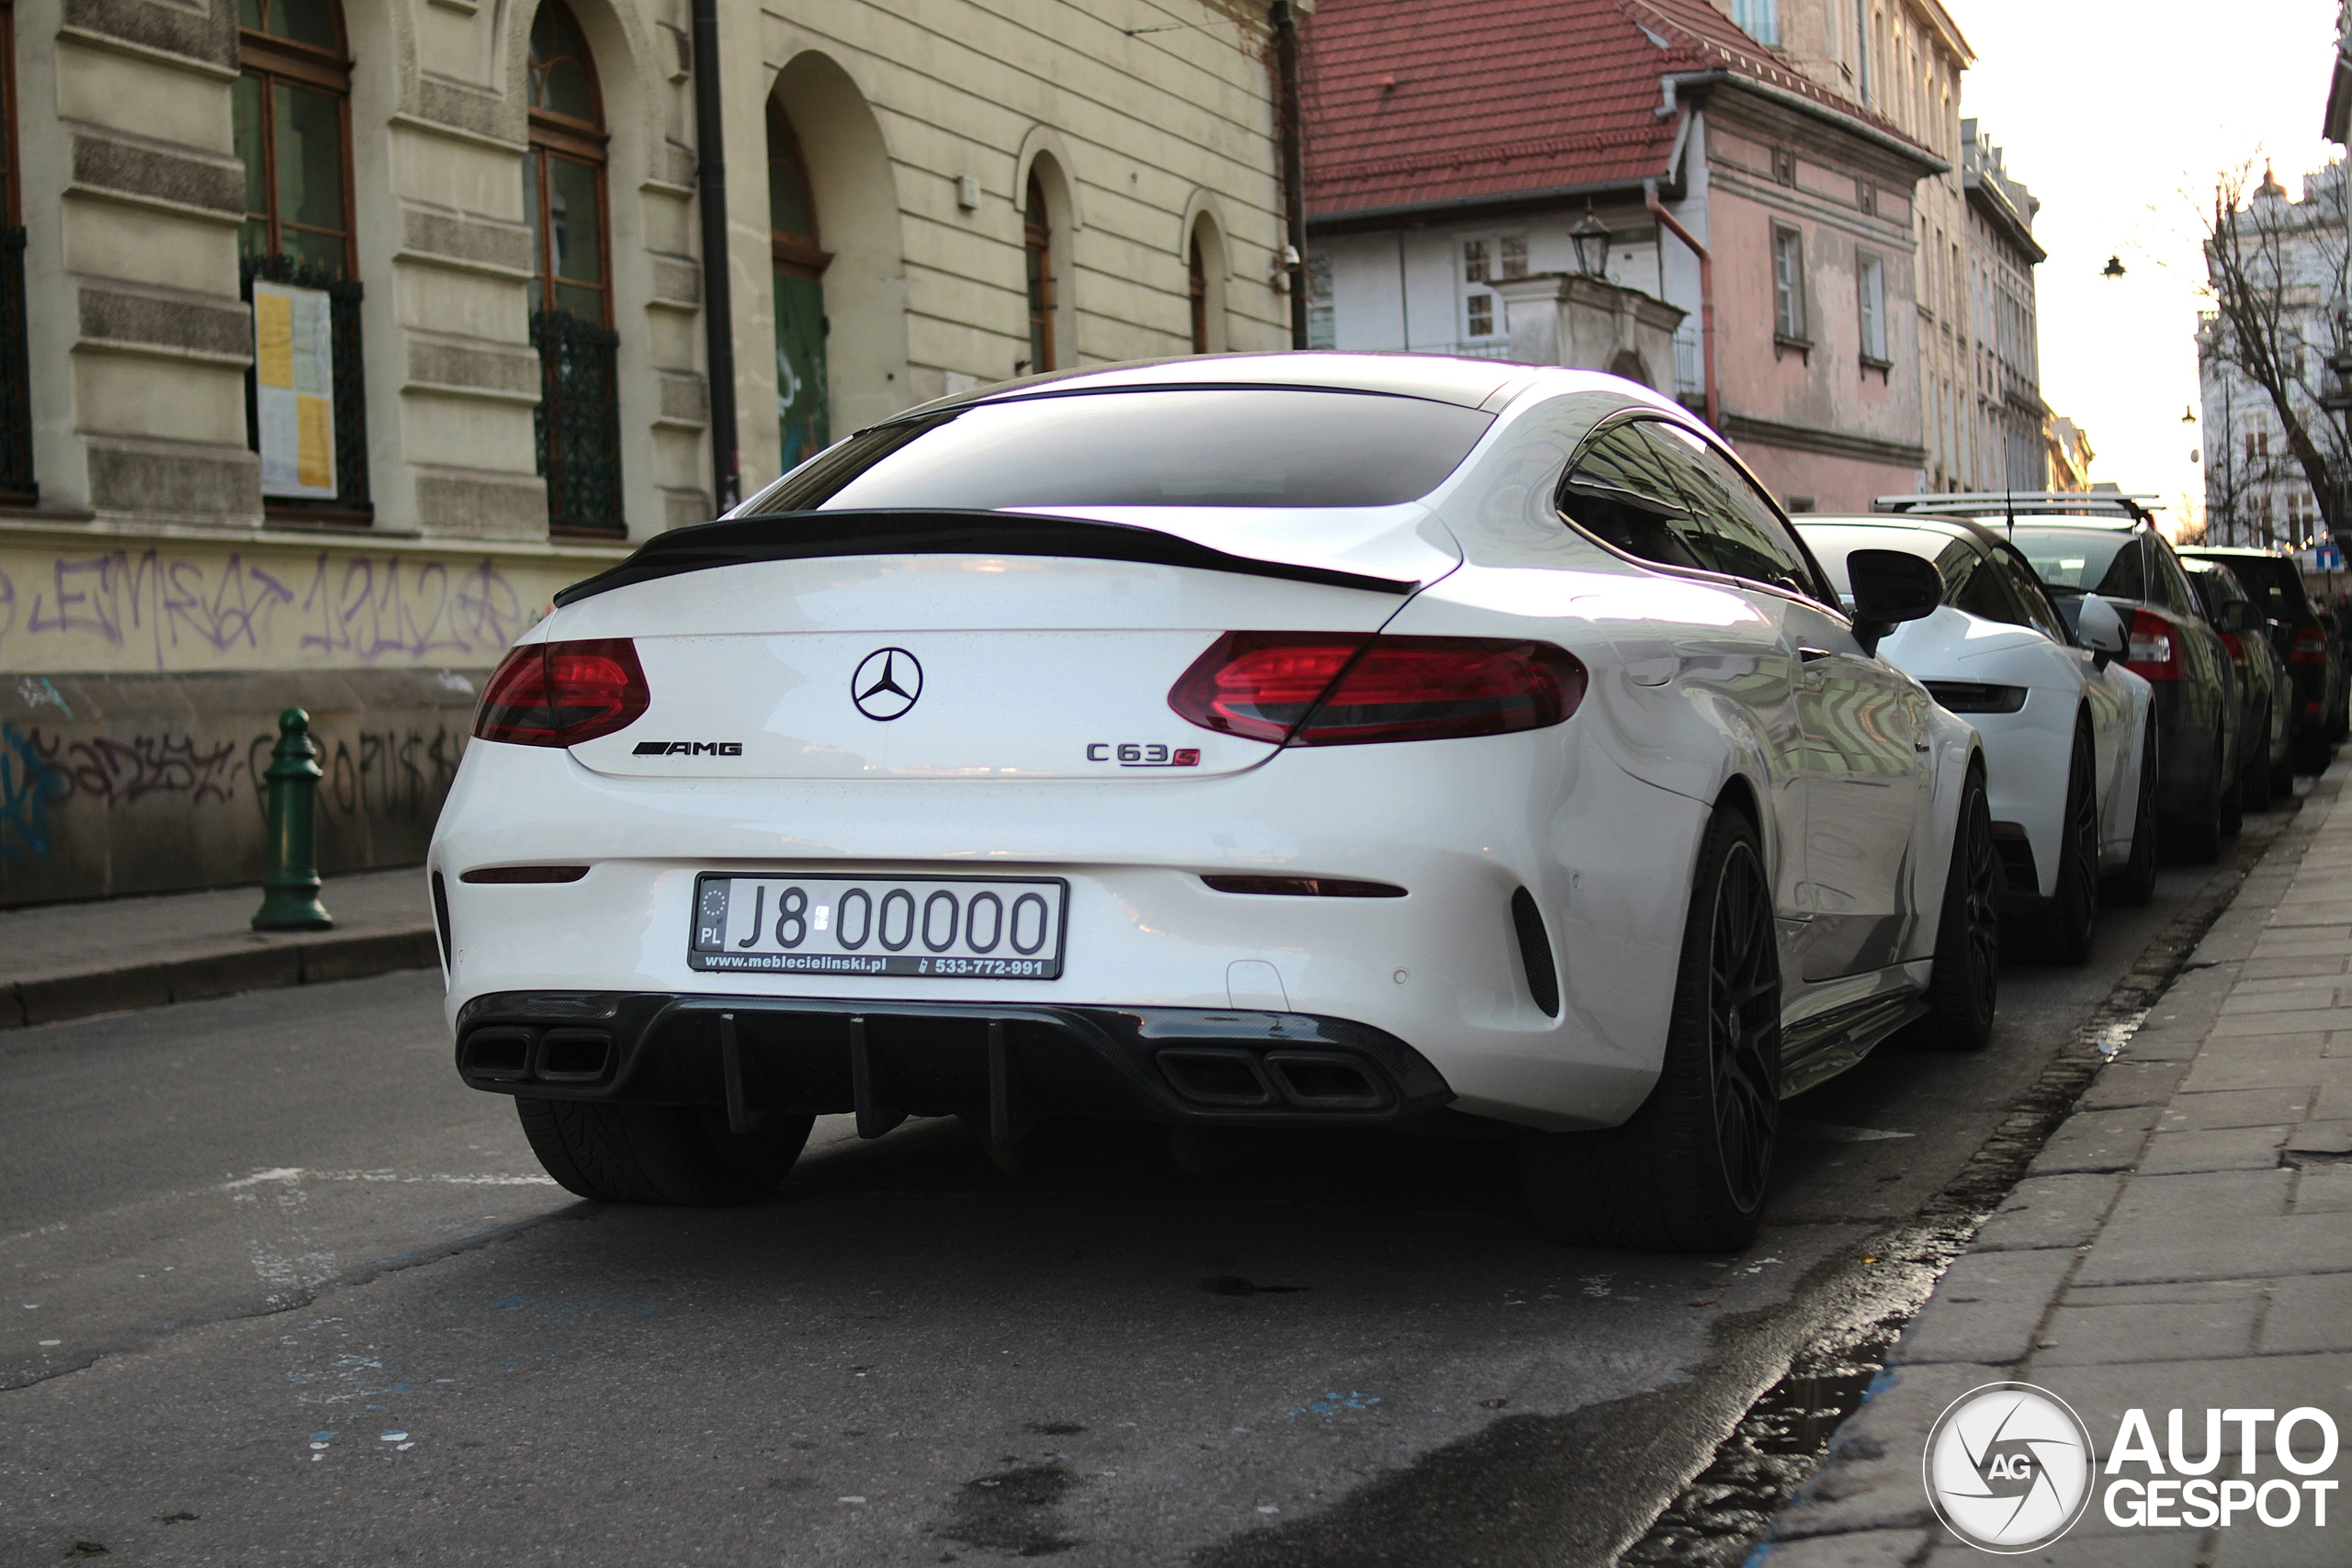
<point x="1251" y="741"/>
<point x="2069" y="733"/>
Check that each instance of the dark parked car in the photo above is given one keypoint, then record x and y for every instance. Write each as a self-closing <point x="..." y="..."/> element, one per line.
<point x="2306" y="636"/>
<point x="2264" y="695"/>
<point x="2104" y="543"/>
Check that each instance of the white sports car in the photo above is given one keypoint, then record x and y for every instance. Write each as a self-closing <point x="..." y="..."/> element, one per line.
<point x="2069" y="732"/>
<point x="1273" y="741"/>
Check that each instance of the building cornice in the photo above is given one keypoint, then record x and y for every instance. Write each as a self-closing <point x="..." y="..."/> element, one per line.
<point x="1743" y="428"/>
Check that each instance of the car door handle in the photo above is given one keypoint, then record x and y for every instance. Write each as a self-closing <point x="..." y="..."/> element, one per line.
<point x="1809" y="654"/>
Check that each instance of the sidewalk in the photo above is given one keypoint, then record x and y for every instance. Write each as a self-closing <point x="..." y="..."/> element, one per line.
<point x="67" y="961"/>
<point x="2184" y="1240"/>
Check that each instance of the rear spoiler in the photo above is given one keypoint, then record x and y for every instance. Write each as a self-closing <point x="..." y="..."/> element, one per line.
<point x="812" y="535"/>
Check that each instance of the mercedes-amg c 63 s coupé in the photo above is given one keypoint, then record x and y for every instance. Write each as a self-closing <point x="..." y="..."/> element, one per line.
<point x="1268" y="742"/>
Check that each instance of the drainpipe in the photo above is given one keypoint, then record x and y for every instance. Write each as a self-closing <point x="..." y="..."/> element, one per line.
<point x="1706" y="292"/>
<point x="717" y="295"/>
<point x="1293" y="165"/>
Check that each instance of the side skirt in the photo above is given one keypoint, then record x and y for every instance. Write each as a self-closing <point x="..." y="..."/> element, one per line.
<point x="1821" y="1047"/>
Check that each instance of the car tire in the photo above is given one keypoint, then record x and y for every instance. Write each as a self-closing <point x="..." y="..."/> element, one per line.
<point x="2253" y="779"/>
<point x="2197" y="841"/>
<point x="2229" y="794"/>
<point x="1688" y="1171"/>
<point x="2136" y="883"/>
<point x="681" y="1156"/>
<point x="2061" y="932"/>
<point x="1964" y="986"/>
<point x="2313" y="753"/>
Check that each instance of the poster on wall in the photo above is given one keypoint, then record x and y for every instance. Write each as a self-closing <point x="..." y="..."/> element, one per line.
<point x="294" y="390"/>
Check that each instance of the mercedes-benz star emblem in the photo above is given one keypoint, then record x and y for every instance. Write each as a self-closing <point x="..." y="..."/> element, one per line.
<point x="888" y="682"/>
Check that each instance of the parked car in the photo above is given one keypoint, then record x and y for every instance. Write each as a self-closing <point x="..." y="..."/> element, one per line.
<point x="1276" y="741"/>
<point x="2069" y="734"/>
<point x="2263" y="694"/>
<point x="2307" y="637"/>
<point x="2104" y="543"/>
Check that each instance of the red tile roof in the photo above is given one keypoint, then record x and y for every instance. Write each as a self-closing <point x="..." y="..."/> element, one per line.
<point x="1413" y="101"/>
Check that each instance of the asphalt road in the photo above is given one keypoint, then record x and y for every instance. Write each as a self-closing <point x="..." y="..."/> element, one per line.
<point x="280" y="1290"/>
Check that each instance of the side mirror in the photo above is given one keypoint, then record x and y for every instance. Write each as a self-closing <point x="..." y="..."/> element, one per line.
<point x="1891" y="587"/>
<point x="2236" y="616"/>
<point x="2100" y="629"/>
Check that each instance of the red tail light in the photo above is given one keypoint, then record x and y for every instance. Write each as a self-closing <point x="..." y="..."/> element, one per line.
<point x="2310" y="646"/>
<point x="1318" y="689"/>
<point x="2238" y="649"/>
<point x="561" y="694"/>
<point x="2154" y="652"/>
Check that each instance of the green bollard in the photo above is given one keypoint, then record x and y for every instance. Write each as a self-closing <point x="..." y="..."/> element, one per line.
<point x="290" y="887"/>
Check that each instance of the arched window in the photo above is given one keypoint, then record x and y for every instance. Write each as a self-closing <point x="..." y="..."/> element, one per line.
<point x="571" y="290"/>
<point x="1198" y="287"/>
<point x="293" y="126"/>
<point x="801" y="410"/>
<point x="1037" y="245"/>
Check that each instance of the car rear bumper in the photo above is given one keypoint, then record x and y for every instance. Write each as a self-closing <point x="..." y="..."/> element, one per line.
<point x="886" y="1060"/>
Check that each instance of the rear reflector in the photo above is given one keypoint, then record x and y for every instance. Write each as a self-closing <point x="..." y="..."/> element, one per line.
<point x="513" y="873"/>
<point x="561" y="694"/>
<point x="1324" y="688"/>
<point x="1304" y="886"/>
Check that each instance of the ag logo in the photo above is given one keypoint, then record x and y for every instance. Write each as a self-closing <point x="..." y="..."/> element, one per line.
<point x="888" y="682"/>
<point x="2008" y="1467"/>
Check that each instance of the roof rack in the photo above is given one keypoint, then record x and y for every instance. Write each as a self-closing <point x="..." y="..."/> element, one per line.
<point x="1976" y="504"/>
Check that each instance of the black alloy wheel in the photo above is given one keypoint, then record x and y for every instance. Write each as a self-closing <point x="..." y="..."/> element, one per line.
<point x="2136" y="883"/>
<point x="2062" y="931"/>
<point x="1688" y="1172"/>
<point x="1965" y="984"/>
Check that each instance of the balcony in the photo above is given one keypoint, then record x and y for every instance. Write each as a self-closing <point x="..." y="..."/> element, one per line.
<point x="578" y="423"/>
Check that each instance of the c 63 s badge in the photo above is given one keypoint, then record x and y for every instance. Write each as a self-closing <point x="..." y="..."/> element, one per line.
<point x="688" y="749"/>
<point x="1143" y="754"/>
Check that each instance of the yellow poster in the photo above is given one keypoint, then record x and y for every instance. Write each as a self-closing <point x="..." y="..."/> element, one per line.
<point x="294" y="389"/>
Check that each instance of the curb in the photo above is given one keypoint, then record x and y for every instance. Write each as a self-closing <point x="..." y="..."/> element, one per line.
<point x="311" y="961"/>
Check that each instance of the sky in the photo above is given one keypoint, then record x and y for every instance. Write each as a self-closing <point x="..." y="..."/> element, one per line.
<point x="2117" y="117"/>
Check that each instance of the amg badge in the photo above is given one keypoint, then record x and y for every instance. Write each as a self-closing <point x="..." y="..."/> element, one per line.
<point x="688" y="749"/>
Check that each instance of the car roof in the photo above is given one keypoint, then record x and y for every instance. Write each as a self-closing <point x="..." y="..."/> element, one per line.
<point x="2236" y="552"/>
<point x="1487" y="384"/>
<point x="1919" y="523"/>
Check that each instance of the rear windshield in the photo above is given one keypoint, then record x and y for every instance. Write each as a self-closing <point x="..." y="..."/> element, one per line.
<point x="2272" y="583"/>
<point x="1196" y="446"/>
<point x="2104" y="560"/>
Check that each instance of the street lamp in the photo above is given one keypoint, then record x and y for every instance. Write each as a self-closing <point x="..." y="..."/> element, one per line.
<point x="1591" y="237"/>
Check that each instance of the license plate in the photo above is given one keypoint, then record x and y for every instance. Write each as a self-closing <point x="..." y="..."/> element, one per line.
<point x="951" y="928"/>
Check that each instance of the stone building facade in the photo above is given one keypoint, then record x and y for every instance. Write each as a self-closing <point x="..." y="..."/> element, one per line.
<point x="351" y="329"/>
<point x="2007" y="448"/>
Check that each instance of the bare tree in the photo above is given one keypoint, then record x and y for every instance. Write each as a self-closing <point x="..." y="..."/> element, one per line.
<point x="2275" y="271"/>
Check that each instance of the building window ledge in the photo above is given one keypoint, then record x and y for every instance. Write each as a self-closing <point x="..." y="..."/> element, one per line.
<point x="1882" y="366"/>
<point x="1799" y="346"/>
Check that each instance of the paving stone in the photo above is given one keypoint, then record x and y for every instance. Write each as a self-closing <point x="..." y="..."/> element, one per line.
<point x="2248" y="1543"/>
<point x="2094" y="1140"/>
<point x="2205" y="1198"/>
<point x="2309" y="1313"/>
<point x="1872" y="1549"/>
<point x="2050" y="1210"/>
<point x="2305" y="944"/>
<point x="2205" y="1112"/>
<point x="1871" y="1479"/>
<point x="2321" y="1138"/>
<point x="1987" y="1307"/>
<point x="2235" y="1148"/>
<point x="2289" y="968"/>
<point x="2099" y="1327"/>
<point x="2301" y="1023"/>
<point x="2080" y="1549"/>
<point x="2296" y="917"/>
<point x="2163" y="1246"/>
<point x="2100" y="1394"/>
<point x="2127" y="1082"/>
<point x="2324" y="1190"/>
<point x="2248" y="999"/>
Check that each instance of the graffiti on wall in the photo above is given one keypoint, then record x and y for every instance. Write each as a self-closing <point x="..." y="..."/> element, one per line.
<point x="155" y="609"/>
<point x="389" y="774"/>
